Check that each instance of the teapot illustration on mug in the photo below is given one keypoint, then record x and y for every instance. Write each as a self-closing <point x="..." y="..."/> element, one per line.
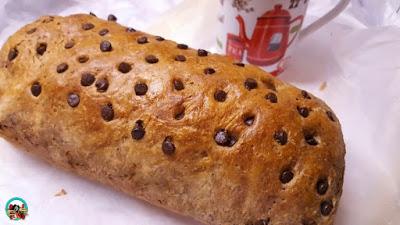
<point x="270" y="38"/>
<point x="276" y="25"/>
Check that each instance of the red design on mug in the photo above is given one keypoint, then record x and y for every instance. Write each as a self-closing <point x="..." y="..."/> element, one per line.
<point x="269" y="41"/>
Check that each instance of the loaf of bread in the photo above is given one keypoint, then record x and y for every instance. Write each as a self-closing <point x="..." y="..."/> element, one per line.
<point x="184" y="129"/>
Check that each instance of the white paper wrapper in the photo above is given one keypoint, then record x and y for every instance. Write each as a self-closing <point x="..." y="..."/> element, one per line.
<point x="356" y="55"/>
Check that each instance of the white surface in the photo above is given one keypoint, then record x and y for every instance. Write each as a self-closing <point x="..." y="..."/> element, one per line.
<point x="357" y="55"/>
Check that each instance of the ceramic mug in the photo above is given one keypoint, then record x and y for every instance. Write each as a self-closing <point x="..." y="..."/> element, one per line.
<point x="263" y="32"/>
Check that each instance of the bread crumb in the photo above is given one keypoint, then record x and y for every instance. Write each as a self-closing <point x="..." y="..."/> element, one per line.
<point x="323" y="86"/>
<point x="60" y="193"/>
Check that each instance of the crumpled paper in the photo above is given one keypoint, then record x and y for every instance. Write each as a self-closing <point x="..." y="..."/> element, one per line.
<point x="352" y="63"/>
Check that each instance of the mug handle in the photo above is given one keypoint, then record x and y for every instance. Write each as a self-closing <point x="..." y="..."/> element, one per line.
<point x="324" y="19"/>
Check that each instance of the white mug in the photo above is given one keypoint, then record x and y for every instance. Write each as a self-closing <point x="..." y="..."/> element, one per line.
<point x="263" y="32"/>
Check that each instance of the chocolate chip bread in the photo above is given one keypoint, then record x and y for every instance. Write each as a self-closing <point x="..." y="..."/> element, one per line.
<point x="184" y="129"/>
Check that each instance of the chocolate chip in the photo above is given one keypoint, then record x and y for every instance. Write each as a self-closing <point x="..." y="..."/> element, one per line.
<point x="48" y="19"/>
<point x="87" y="26"/>
<point x="103" y="32"/>
<point x="250" y="84"/>
<point x="322" y="186"/>
<point x="130" y="30"/>
<point x="12" y="54"/>
<point x="308" y="222"/>
<point x="83" y="58"/>
<point x="209" y="70"/>
<point x="69" y="44"/>
<point x="111" y="17"/>
<point x="87" y="79"/>
<point x="180" y="114"/>
<point x="182" y="46"/>
<point x="178" y="85"/>
<point x="281" y="137"/>
<point x="220" y="95"/>
<point x="331" y="116"/>
<point x="303" y="111"/>
<point x="249" y="120"/>
<point x="41" y="48"/>
<point x="73" y="100"/>
<point x="202" y="52"/>
<point x="92" y="14"/>
<point x="180" y="58"/>
<point x="310" y="139"/>
<point x="286" y="176"/>
<point x="168" y="146"/>
<point x="151" y="59"/>
<point x="262" y="222"/>
<point x="221" y="137"/>
<point x="224" y="138"/>
<point x="31" y="31"/>
<point x="105" y="46"/>
<point x="107" y="112"/>
<point x="269" y="84"/>
<point x="62" y="68"/>
<point x="158" y="38"/>
<point x="142" y="40"/>
<point x="124" y="67"/>
<point x="271" y="97"/>
<point x="239" y="64"/>
<point x="232" y="141"/>
<point x="36" y="89"/>
<point x="326" y="207"/>
<point x="102" y="85"/>
<point x="140" y="89"/>
<point x="305" y="94"/>
<point x="138" y="131"/>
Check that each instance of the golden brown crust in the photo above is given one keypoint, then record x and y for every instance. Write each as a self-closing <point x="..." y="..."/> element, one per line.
<point x="189" y="172"/>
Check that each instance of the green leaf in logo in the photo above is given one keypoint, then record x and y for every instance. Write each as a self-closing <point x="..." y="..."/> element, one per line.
<point x="219" y="43"/>
<point x="295" y="28"/>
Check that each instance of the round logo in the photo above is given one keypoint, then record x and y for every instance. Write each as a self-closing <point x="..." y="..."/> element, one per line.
<point x="16" y="209"/>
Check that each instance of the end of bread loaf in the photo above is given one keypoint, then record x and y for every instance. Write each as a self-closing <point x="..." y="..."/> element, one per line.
<point x="191" y="131"/>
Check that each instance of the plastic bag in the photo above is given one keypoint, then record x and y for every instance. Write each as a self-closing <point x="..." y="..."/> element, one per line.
<point x="377" y="12"/>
